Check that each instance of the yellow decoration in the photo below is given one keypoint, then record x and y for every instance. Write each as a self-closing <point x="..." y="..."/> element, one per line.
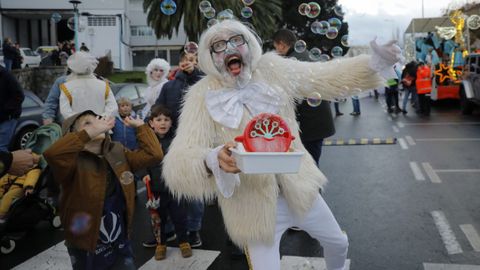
<point x="442" y="71"/>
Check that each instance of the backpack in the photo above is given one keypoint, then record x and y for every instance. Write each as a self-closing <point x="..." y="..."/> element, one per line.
<point x="41" y="139"/>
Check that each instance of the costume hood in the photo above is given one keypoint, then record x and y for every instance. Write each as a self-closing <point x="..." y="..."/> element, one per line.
<point x="223" y="30"/>
<point x="157" y="63"/>
<point x="82" y="63"/>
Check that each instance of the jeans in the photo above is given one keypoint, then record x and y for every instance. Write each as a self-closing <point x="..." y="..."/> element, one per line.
<point x="408" y="92"/>
<point x="7" y="129"/>
<point x="195" y="215"/>
<point x="8" y="64"/>
<point x="356" y="104"/>
<point x="315" y="149"/>
<point x="337" y="109"/>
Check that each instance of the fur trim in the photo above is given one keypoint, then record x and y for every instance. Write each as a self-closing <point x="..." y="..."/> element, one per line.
<point x="157" y="63"/>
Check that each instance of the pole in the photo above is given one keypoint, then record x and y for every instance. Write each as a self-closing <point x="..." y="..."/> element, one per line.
<point x="77" y="47"/>
<point x="423" y="9"/>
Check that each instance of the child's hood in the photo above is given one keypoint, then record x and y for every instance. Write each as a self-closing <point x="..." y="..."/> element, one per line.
<point x="69" y="122"/>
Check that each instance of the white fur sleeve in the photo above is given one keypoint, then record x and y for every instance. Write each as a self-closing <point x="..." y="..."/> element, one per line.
<point x="334" y="79"/>
<point x="184" y="168"/>
<point x="111" y="106"/>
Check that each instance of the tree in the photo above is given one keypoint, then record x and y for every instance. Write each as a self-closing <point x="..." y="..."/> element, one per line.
<point x="194" y="23"/>
<point x="301" y="25"/>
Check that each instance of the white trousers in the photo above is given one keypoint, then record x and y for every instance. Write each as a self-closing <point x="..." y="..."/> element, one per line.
<point x="318" y="222"/>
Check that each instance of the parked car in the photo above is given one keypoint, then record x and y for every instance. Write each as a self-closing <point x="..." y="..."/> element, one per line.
<point x="470" y="87"/>
<point x="133" y="91"/>
<point x="30" y="119"/>
<point x="30" y="58"/>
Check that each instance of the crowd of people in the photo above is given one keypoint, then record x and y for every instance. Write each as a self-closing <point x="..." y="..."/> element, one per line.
<point x="178" y="145"/>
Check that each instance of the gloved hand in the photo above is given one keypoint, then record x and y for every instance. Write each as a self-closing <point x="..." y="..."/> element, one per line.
<point x="385" y="56"/>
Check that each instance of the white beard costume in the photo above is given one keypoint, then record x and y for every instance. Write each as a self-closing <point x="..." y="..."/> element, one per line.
<point x="258" y="208"/>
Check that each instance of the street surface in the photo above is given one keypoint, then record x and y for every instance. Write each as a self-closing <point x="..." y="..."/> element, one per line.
<point x="411" y="204"/>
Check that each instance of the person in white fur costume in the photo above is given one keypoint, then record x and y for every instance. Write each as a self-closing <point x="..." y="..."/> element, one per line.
<point x="241" y="83"/>
<point x="157" y="71"/>
<point x="83" y="91"/>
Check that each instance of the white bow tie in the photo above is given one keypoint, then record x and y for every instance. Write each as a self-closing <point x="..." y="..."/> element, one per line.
<point x="226" y="106"/>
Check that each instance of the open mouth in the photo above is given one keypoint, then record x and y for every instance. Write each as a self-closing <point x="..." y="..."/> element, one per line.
<point x="234" y="64"/>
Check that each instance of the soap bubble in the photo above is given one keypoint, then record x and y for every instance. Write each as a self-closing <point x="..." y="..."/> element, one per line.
<point x="209" y="13"/>
<point x="314" y="99"/>
<point x="304" y="9"/>
<point x="229" y="11"/>
<point x="316" y="27"/>
<point x="324" y="58"/>
<point x="191" y="47"/>
<point x="473" y="22"/>
<point x="56" y="17"/>
<point x="126" y="178"/>
<point x="315" y="54"/>
<point x="324" y="26"/>
<point x="247" y="12"/>
<point x="300" y="46"/>
<point x="332" y="33"/>
<point x="248" y="2"/>
<point x="314" y="10"/>
<point x="168" y="7"/>
<point x="338" y="11"/>
<point x="337" y="51"/>
<point x="224" y="15"/>
<point x="344" y="40"/>
<point x="335" y="22"/>
<point x="212" y="22"/>
<point x="204" y="5"/>
<point x="81" y="223"/>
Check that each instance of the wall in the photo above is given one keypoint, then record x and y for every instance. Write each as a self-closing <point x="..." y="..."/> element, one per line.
<point x="38" y="80"/>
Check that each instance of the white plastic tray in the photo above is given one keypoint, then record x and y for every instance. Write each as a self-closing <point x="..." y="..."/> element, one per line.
<point x="266" y="162"/>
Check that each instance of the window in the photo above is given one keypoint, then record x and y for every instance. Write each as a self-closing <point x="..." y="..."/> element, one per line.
<point x="174" y="57"/>
<point x="102" y="21"/>
<point x="28" y="52"/>
<point x="141" y="30"/>
<point x="128" y="91"/>
<point x="28" y="102"/>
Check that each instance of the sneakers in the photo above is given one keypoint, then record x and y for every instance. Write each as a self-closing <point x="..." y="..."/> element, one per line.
<point x="160" y="252"/>
<point x="355" y="113"/>
<point x="194" y="239"/>
<point x="338" y="114"/>
<point x="185" y="249"/>
<point x="153" y="243"/>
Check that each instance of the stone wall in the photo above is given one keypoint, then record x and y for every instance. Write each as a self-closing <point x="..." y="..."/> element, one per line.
<point x="39" y="79"/>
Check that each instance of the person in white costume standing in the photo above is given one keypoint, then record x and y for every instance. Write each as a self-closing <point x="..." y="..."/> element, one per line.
<point x="241" y="83"/>
<point x="83" y="91"/>
<point x="157" y="71"/>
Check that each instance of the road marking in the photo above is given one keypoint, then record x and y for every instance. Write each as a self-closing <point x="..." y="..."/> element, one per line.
<point x="442" y="124"/>
<point x="395" y="129"/>
<point x="400" y="124"/>
<point x="141" y="190"/>
<point x="54" y="258"/>
<point x="416" y="171"/>
<point x="441" y="266"/>
<point x="448" y="237"/>
<point x="403" y="144"/>
<point x="431" y="173"/>
<point x="458" y="170"/>
<point x="410" y="140"/>
<point x="295" y="262"/>
<point x="471" y="235"/>
<point x="390" y="118"/>
<point x="200" y="260"/>
<point x="448" y="139"/>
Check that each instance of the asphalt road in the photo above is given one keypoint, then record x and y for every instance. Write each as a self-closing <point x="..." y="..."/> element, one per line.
<point x="408" y="205"/>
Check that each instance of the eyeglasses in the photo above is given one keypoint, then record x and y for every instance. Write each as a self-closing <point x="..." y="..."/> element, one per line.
<point x="221" y="45"/>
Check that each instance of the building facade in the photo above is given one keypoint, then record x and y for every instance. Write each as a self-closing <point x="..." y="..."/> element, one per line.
<point x="117" y="28"/>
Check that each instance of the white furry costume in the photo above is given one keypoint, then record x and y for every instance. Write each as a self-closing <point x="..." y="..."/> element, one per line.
<point x="250" y="212"/>
<point x="155" y="86"/>
<point x="85" y="90"/>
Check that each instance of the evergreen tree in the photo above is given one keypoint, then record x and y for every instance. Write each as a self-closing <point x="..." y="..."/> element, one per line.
<point x="302" y="25"/>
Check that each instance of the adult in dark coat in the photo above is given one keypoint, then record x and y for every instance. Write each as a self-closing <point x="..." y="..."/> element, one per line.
<point x="9" y="53"/>
<point x="316" y="123"/>
<point x="11" y="98"/>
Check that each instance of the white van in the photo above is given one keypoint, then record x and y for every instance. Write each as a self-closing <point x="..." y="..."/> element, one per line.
<point x="30" y="58"/>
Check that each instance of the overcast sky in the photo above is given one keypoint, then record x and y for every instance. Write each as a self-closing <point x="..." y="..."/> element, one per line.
<point x="367" y="19"/>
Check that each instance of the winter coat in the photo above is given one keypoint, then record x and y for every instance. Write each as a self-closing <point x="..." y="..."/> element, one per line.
<point x="9" y="51"/>
<point x="27" y="180"/>
<point x="173" y="92"/>
<point x="316" y="123"/>
<point x="124" y="134"/>
<point x="250" y="213"/>
<point x="82" y="176"/>
<point x="157" y="183"/>
<point x="11" y="96"/>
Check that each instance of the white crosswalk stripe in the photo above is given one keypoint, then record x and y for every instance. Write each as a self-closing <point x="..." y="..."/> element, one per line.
<point x="304" y="263"/>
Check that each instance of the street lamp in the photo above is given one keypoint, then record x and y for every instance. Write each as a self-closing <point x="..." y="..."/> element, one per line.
<point x="75" y="4"/>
